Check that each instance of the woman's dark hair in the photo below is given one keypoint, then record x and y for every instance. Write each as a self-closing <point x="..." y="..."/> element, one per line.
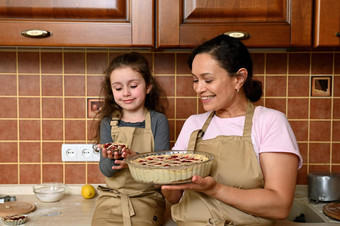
<point x="232" y="55"/>
<point x="137" y="62"/>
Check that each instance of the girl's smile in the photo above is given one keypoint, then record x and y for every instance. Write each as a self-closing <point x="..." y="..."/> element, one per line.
<point x="128" y="101"/>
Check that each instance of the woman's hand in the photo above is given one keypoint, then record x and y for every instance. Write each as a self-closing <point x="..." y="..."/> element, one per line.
<point x="172" y="196"/>
<point x="207" y="185"/>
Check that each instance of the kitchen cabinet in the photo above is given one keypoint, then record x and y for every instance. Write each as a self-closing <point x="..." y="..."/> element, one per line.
<point x="269" y="23"/>
<point x="327" y="23"/>
<point x="119" y="23"/>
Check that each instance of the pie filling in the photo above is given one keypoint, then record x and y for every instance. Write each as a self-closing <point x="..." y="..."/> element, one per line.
<point x="181" y="159"/>
<point x="114" y="147"/>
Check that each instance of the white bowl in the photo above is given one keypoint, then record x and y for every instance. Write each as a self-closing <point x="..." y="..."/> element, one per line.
<point x="49" y="192"/>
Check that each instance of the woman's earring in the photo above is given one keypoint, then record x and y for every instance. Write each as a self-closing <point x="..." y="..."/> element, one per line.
<point x="237" y="90"/>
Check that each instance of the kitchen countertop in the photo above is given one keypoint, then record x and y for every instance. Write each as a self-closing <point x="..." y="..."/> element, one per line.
<point x="75" y="210"/>
<point x="72" y="207"/>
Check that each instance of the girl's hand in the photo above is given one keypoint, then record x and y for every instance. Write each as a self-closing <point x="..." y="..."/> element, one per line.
<point x="126" y="152"/>
<point x="108" y="154"/>
<point x="121" y="164"/>
<point x="207" y="185"/>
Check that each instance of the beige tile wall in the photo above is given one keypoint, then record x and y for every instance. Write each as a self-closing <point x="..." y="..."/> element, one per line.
<point x="43" y="99"/>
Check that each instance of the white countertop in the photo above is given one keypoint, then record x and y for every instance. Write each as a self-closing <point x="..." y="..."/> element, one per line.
<point x="75" y="210"/>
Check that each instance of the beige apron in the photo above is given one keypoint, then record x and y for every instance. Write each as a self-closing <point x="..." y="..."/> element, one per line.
<point x="125" y="201"/>
<point x="236" y="165"/>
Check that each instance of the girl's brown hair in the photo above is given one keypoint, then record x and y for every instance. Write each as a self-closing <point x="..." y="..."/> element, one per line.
<point x="137" y="62"/>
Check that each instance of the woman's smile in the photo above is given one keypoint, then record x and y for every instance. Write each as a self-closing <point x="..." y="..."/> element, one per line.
<point x="206" y="99"/>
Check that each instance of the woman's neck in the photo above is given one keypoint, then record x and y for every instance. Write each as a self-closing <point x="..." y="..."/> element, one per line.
<point x="236" y="109"/>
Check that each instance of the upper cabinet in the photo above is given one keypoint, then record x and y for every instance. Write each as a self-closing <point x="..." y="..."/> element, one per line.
<point x="168" y="23"/>
<point x="95" y="23"/>
<point x="268" y="23"/>
<point x="327" y="23"/>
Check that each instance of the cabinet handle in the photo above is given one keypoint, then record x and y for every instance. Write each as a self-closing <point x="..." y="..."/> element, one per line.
<point x="337" y="34"/>
<point x="36" y="33"/>
<point x="238" y="34"/>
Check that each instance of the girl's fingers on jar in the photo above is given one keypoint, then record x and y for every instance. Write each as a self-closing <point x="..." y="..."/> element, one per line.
<point x="116" y="155"/>
<point x="110" y="155"/>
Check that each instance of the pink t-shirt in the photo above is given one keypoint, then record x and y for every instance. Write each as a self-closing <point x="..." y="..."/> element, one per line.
<point x="271" y="131"/>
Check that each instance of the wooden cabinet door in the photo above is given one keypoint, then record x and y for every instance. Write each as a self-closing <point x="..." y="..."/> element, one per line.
<point x="327" y="23"/>
<point x="270" y="23"/>
<point x="96" y="23"/>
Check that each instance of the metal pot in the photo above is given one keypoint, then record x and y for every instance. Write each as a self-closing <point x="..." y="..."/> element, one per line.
<point x="324" y="186"/>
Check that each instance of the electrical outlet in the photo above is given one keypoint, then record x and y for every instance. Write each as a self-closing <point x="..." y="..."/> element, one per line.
<point x="69" y="153"/>
<point x="79" y="153"/>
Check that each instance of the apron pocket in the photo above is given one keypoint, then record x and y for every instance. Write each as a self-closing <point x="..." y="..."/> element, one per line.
<point x="148" y="211"/>
<point x="108" y="211"/>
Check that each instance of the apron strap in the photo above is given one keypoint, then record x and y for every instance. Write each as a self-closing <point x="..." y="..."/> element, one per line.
<point x="114" y="122"/>
<point x="114" y="128"/>
<point x="207" y="122"/>
<point x="127" y="206"/>
<point x="147" y="119"/>
<point x="249" y="119"/>
<point x="127" y="209"/>
<point x="193" y="140"/>
<point x="198" y="134"/>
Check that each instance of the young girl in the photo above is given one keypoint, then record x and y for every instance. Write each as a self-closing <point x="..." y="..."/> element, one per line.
<point x="132" y="113"/>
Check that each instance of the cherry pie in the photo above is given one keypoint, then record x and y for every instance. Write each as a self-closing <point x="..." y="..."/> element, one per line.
<point x="170" y="167"/>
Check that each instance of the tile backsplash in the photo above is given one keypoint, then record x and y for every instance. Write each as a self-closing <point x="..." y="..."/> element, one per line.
<point x="44" y="96"/>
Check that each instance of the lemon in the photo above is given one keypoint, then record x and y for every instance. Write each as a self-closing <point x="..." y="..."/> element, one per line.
<point x="88" y="191"/>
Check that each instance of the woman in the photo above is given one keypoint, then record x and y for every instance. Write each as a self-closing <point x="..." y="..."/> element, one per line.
<point x="253" y="177"/>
